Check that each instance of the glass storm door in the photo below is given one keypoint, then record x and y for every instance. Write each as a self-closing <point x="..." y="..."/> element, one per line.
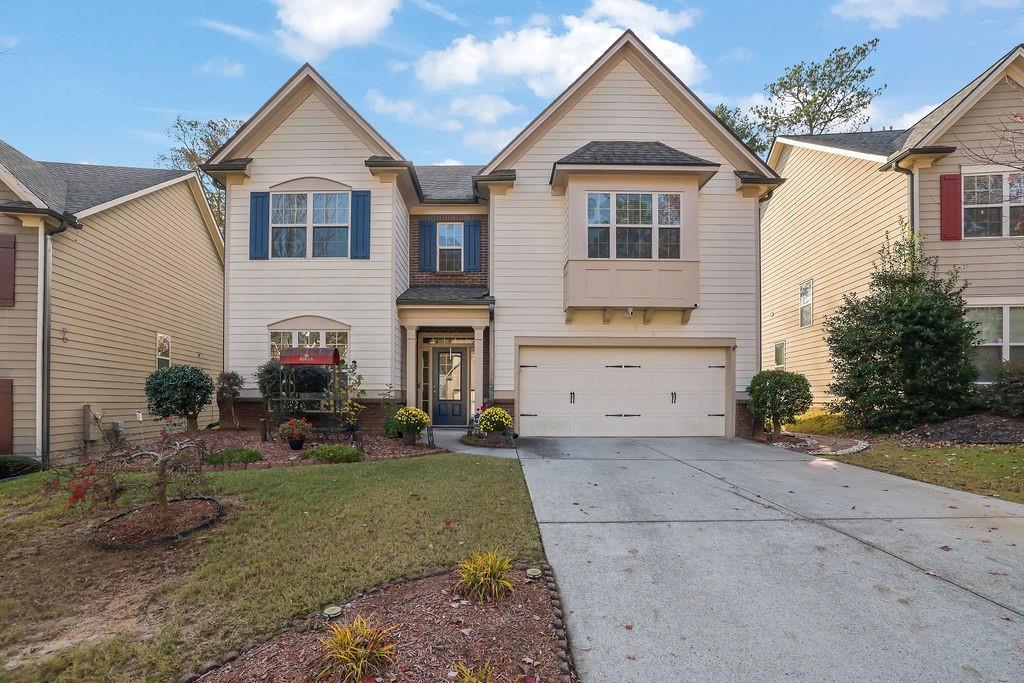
<point x="449" y="387"/>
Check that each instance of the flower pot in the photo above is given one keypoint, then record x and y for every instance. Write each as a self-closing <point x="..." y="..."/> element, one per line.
<point x="495" y="438"/>
<point x="296" y="444"/>
<point x="409" y="438"/>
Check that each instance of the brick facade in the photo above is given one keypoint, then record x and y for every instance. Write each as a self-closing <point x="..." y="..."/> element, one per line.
<point x="745" y="422"/>
<point x="416" y="278"/>
<point x="251" y="410"/>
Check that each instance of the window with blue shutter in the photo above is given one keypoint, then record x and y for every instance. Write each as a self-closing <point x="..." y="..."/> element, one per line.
<point x="472" y="246"/>
<point x="428" y="246"/>
<point x="259" y="224"/>
<point x="361" y="224"/>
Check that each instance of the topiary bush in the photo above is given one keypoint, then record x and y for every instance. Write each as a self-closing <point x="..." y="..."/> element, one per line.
<point x="334" y="453"/>
<point x="230" y="456"/>
<point x="1006" y="394"/>
<point x="179" y="391"/>
<point x="312" y="379"/>
<point x="778" y="396"/>
<point x="17" y="465"/>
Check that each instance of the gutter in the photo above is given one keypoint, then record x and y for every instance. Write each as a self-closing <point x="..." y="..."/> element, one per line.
<point x="47" y="351"/>
<point x="910" y="191"/>
<point x="67" y="220"/>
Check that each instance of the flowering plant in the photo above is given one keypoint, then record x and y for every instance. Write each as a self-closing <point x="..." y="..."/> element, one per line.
<point x="495" y="419"/>
<point x="411" y="419"/>
<point x="295" y="429"/>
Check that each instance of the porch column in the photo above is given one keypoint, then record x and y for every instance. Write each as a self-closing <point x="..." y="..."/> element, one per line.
<point x="478" y="366"/>
<point x="411" y="366"/>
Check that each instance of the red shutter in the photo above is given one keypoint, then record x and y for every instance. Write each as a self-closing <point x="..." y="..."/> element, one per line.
<point x="6" y="270"/>
<point x="951" y="210"/>
<point x="6" y="416"/>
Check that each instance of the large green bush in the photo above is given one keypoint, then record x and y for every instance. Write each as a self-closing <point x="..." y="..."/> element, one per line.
<point x="1006" y="394"/>
<point x="778" y="396"/>
<point x="308" y="378"/>
<point x="15" y="465"/>
<point x="901" y="354"/>
<point x="179" y="391"/>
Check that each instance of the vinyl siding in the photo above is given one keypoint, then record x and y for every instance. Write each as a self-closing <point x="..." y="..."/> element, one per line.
<point x="18" y="329"/>
<point x="991" y="265"/>
<point x="144" y="267"/>
<point x="401" y="283"/>
<point x="826" y="223"/>
<point x="313" y="142"/>
<point x="529" y="233"/>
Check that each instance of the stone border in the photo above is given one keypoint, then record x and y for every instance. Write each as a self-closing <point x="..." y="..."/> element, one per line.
<point x="162" y="539"/>
<point x="858" y="445"/>
<point x="268" y="464"/>
<point x="511" y="444"/>
<point x="564" y="654"/>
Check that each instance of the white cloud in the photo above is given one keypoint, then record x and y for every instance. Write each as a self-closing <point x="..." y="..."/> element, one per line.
<point x="222" y="66"/>
<point x="483" y="108"/>
<point x="889" y="13"/>
<point x="994" y="4"/>
<point x="8" y="42"/>
<point x="233" y="30"/>
<point x="547" y="59"/>
<point x="883" y="114"/>
<point x="312" y="29"/>
<point x="449" y="162"/>
<point x="408" y="111"/>
<point x="489" y="140"/>
<point x="737" y="55"/>
<point x="439" y="11"/>
<point x="396" y="66"/>
<point x="501" y="21"/>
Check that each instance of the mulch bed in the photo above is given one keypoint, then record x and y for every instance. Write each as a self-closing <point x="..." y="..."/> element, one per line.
<point x="146" y="524"/>
<point x="481" y="442"/>
<point x="981" y="428"/>
<point x="436" y="629"/>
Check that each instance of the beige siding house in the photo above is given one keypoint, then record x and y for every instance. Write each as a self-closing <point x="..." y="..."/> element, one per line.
<point x="953" y="177"/>
<point x="114" y="272"/>
<point x="599" y="276"/>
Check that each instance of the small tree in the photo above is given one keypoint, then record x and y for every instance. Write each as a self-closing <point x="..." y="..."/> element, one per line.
<point x="902" y="354"/>
<point x="229" y="389"/>
<point x="778" y="396"/>
<point x="179" y="391"/>
<point x="744" y="127"/>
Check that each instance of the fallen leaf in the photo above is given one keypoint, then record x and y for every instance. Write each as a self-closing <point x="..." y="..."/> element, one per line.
<point x="629" y="627"/>
<point x="945" y="547"/>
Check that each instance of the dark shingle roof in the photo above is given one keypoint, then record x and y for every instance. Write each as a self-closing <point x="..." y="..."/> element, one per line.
<point x="631" y="152"/>
<point x="452" y="183"/>
<point x="438" y="294"/>
<point x="880" y="142"/>
<point x="47" y="186"/>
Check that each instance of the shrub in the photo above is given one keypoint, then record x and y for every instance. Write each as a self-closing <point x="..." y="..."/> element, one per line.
<point x="179" y="391"/>
<point x="1006" y="394"/>
<point x="412" y="419"/>
<point x="817" y="421"/>
<point x="389" y="407"/>
<point x="308" y="379"/>
<point x="495" y="419"/>
<point x="229" y="388"/>
<point x="778" y="396"/>
<point x="486" y="576"/>
<point x="230" y="456"/>
<point x="16" y="465"/>
<point x="902" y="353"/>
<point x="357" y="651"/>
<point x="335" y="453"/>
<point x="295" y="428"/>
<point x="392" y="429"/>
<point x="465" y="674"/>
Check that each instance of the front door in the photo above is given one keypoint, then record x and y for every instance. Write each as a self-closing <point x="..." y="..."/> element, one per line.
<point x="449" y="387"/>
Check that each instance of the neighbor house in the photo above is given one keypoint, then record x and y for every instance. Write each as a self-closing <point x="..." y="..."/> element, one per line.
<point x="954" y="177"/>
<point x="106" y="274"/>
<point x="599" y="276"/>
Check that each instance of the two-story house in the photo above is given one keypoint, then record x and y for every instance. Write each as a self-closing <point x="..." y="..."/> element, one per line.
<point x="599" y="276"/>
<point x="954" y="177"/>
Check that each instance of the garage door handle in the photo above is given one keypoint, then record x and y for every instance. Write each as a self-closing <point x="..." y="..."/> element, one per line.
<point x="716" y="414"/>
<point x="622" y="415"/>
<point x="717" y="366"/>
<point x="673" y="397"/>
<point x="572" y="397"/>
<point x="527" y="414"/>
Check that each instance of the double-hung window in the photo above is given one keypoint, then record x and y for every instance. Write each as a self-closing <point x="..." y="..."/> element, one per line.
<point x="450" y="242"/>
<point x="163" y="351"/>
<point x="1001" y="338"/>
<point x="640" y="225"/>
<point x="780" y="355"/>
<point x="993" y="205"/>
<point x="296" y="231"/>
<point x="307" y="339"/>
<point x="806" y="303"/>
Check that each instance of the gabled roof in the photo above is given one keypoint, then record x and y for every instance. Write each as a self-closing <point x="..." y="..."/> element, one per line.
<point x="629" y="43"/>
<point x="447" y="183"/>
<point x="89" y="186"/>
<point x="31" y="180"/>
<point x="445" y="294"/>
<point x="630" y="153"/>
<point x="875" y="142"/>
<point x="289" y="96"/>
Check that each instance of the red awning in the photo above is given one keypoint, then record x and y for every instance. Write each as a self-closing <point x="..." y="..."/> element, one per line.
<point x="310" y="357"/>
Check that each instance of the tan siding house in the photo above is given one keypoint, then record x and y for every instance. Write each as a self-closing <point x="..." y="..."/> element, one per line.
<point x="128" y="254"/>
<point x="953" y="177"/>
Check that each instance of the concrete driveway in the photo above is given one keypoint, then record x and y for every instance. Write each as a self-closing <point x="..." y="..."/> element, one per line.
<point x="723" y="560"/>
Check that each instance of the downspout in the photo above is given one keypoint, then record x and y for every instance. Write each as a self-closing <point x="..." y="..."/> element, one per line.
<point x="489" y="389"/>
<point x="910" y="191"/>
<point x="47" y="352"/>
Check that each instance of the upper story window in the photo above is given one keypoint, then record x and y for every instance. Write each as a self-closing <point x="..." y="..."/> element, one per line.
<point x="1001" y="338"/>
<point x="806" y="303"/>
<point x="994" y="205"/>
<point x="296" y="231"/>
<point x="307" y="339"/>
<point x="163" y="351"/>
<point x="639" y="225"/>
<point x="780" y="355"/>
<point x="450" y="247"/>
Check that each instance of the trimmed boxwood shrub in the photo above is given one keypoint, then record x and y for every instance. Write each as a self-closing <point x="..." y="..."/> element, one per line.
<point x="778" y="396"/>
<point x="308" y="379"/>
<point x="179" y="391"/>
<point x="334" y="453"/>
<point x="1006" y="394"/>
<point x="16" y="465"/>
<point x="230" y="456"/>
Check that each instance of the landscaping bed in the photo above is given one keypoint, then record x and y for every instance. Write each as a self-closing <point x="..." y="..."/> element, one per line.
<point x="481" y="442"/>
<point x="277" y="451"/>
<point x="435" y="630"/>
<point x="980" y="428"/>
<point x="146" y="526"/>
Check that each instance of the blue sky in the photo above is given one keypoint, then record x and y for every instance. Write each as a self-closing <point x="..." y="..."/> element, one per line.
<point x="443" y="80"/>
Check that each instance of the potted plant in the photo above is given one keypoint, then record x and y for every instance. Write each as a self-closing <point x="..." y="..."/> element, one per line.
<point x="411" y="421"/>
<point x="494" y="422"/>
<point x="295" y="431"/>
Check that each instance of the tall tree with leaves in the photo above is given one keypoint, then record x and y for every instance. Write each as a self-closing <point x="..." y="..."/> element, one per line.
<point x="195" y="142"/>
<point x="821" y="97"/>
<point x="744" y="127"/>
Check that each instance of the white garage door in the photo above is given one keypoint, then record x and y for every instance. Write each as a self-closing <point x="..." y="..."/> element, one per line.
<point x="590" y="391"/>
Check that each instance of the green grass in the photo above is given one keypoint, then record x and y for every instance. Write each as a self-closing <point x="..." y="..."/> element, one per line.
<point x="230" y="456"/>
<point x="817" y="421"/>
<point x="293" y="540"/>
<point x="989" y="470"/>
<point x="334" y="453"/>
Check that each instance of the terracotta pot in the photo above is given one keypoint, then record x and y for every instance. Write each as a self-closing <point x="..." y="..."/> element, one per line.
<point x="495" y="438"/>
<point x="409" y="438"/>
<point x="296" y="444"/>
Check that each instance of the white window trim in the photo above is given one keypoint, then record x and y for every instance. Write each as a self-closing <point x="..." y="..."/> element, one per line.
<point x="158" y="356"/>
<point x="784" y="357"/>
<point x="1006" y="342"/>
<point x="462" y="249"/>
<point x="322" y="337"/>
<point x="655" y="225"/>
<point x="1005" y="173"/>
<point x="308" y="225"/>
<point x="801" y="304"/>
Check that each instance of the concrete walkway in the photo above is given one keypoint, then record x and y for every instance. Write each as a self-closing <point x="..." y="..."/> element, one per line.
<point x="725" y="560"/>
<point x="451" y="439"/>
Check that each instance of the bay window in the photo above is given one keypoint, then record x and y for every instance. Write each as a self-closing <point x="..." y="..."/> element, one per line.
<point x="1001" y="338"/>
<point x="639" y="224"/>
<point x="993" y="205"/>
<point x="296" y="231"/>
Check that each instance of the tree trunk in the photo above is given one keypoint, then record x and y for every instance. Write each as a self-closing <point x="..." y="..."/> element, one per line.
<point x="192" y="423"/>
<point x="160" y="489"/>
<point x="776" y="428"/>
<point x="234" y="418"/>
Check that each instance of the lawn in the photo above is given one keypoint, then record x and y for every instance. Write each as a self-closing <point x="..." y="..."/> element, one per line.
<point x="293" y="540"/>
<point x="996" y="471"/>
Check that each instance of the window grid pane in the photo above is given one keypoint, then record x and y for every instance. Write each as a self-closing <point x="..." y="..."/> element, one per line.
<point x="309" y="340"/>
<point x="598" y="243"/>
<point x="449" y="234"/>
<point x="988" y="360"/>
<point x="449" y="260"/>
<point x="669" y="212"/>
<point x="668" y="243"/>
<point x="780" y="354"/>
<point x="990" y="321"/>
<point x="337" y="340"/>
<point x="330" y="208"/>
<point x="288" y="242"/>
<point x="278" y="342"/>
<point x="633" y="209"/>
<point x="633" y="242"/>
<point x="983" y="222"/>
<point x="330" y="242"/>
<point x="1017" y="221"/>
<point x="983" y="189"/>
<point x="288" y="209"/>
<point x="1016" y="325"/>
<point x="599" y="208"/>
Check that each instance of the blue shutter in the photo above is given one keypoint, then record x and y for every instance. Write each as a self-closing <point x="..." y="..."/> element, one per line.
<point x="259" y="224"/>
<point x="361" y="224"/>
<point x="428" y="246"/>
<point x="472" y="257"/>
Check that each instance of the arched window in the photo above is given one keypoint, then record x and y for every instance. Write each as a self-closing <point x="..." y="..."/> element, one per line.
<point x="308" y="331"/>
